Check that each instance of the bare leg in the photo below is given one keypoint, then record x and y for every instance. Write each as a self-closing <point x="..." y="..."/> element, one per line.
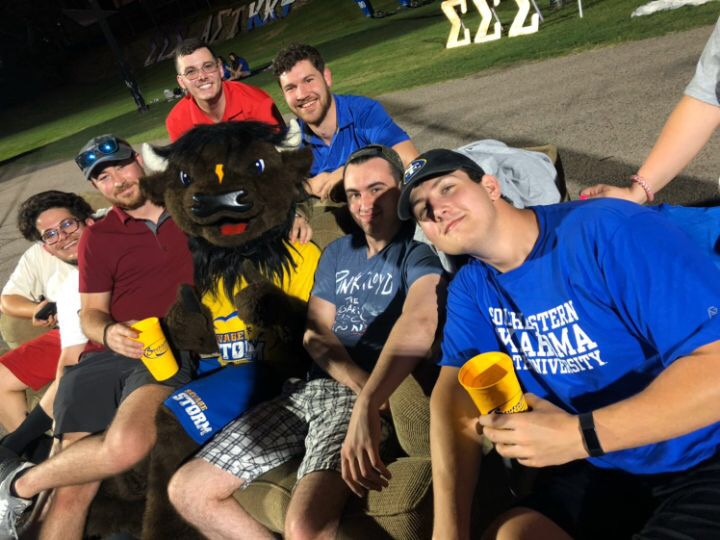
<point x="46" y="401"/>
<point x="67" y="511"/>
<point x="12" y="398"/>
<point x="202" y="494"/>
<point x="524" y="524"/>
<point x="128" y="439"/>
<point x="308" y="519"/>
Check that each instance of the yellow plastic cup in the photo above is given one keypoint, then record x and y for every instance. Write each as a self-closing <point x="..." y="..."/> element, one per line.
<point x="157" y="355"/>
<point x="490" y="380"/>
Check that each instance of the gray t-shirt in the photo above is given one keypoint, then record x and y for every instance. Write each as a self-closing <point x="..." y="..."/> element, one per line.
<point x="369" y="293"/>
<point x="705" y="85"/>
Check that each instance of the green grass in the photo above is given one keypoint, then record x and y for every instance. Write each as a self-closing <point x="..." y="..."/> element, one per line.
<point x="367" y="57"/>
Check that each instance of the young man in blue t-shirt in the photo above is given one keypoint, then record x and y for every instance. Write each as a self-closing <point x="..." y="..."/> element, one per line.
<point x="372" y="317"/>
<point x="609" y="313"/>
<point x="333" y="125"/>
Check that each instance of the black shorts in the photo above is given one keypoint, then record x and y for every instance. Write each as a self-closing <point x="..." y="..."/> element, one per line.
<point x="589" y="503"/>
<point x="91" y="391"/>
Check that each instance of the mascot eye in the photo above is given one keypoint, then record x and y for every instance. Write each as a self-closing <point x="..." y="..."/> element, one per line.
<point x="185" y="179"/>
<point x="259" y="166"/>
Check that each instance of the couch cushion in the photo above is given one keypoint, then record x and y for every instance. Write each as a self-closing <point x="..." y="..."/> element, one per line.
<point x="16" y="331"/>
<point x="329" y="222"/>
<point x="95" y="199"/>
<point x="268" y="497"/>
<point x="410" y="484"/>
<point x="402" y="510"/>
<point x="410" y="409"/>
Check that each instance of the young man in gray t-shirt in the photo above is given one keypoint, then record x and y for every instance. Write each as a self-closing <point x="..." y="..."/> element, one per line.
<point x="372" y="317"/>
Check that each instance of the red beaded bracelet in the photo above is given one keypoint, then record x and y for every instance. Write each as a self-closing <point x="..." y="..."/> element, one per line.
<point x="639" y="180"/>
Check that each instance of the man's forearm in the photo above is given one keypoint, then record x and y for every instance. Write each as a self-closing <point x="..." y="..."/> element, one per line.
<point x="407" y="151"/>
<point x="18" y="306"/>
<point x="682" y="399"/>
<point x="321" y="184"/>
<point x="456" y="451"/>
<point x="93" y="322"/>
<point x="328" y="353"/>
<point x="409" y="342"/>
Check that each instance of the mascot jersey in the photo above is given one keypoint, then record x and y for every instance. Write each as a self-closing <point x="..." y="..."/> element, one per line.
<point x="239" y="343"/>
<point x="202" y="407"/>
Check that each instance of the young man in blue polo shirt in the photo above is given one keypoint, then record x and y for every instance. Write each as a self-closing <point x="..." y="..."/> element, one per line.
<point x="609" y="313"/>
<point x="333" y="125"/>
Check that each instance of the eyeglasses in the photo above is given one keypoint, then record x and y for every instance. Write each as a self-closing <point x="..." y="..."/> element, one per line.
<point x="193" y="73"/>
<point x="68" y="226"/>
<point x="103" y="147"/>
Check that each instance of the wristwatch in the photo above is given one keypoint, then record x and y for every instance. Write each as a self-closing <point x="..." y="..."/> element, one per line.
<point x="590" y="438"/>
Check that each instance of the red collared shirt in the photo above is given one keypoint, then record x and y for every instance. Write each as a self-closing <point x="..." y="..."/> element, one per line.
<point x="242" y="102"/>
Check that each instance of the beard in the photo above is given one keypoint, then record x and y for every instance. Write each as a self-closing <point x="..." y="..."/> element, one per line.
<point x="136" y="203"/>
<point x="316" y="117"/>
<point x="128" y="203"/>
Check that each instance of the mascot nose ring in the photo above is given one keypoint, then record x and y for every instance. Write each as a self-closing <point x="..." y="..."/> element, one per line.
<point x="205" y="205"/>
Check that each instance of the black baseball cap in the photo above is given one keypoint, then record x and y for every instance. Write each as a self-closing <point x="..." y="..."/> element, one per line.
<point x="102" y="149"/>
<point x="431" y="164"/>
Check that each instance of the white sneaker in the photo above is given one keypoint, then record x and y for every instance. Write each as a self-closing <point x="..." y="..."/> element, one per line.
<point x="12" y="509"/>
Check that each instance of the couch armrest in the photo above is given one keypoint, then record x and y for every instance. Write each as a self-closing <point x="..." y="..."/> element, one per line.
<point x="16" y="331"/>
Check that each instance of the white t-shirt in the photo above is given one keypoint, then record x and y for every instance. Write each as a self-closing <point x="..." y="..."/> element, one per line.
<point x="68" y="305"/>
<point x="37" y="274"/>
<point x="705" y="85"/>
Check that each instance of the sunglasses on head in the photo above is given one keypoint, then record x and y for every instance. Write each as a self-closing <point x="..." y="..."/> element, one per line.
<point x="106" y="146"/>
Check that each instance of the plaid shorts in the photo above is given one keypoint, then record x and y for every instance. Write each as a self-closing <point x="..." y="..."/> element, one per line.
<point x="308" y="417"/>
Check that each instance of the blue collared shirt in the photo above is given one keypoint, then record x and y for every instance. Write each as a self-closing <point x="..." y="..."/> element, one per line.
<point x="361" y="121"/>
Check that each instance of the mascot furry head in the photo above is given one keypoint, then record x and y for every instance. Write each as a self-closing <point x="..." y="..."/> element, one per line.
<point x="231" y="189"/>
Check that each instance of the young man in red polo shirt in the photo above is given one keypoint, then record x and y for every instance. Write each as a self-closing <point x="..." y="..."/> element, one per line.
<point x="210" y="100"/>
<point x="130" y="264"/>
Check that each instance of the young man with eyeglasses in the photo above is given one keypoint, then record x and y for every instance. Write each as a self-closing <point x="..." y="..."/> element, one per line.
<point x="610" y="315"/>
<point x="55" y="221"/>
<point x="210" y="100"/>
<point x="372" y="318"/>
<point x="130" y="266"/>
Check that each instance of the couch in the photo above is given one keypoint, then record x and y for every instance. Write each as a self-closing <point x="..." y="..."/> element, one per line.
<point x="404" y="510"/>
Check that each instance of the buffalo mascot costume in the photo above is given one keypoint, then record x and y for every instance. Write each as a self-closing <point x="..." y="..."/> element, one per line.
<point x="233" y="190"/>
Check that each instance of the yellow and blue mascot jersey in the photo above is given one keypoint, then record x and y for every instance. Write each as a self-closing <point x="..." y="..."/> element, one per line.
<point x="239" y="343"/>
<point x="217" y="396"/>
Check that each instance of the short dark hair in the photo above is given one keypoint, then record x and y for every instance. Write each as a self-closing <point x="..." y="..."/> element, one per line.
<point x="387" y="154"/>
<point x="189" y="46"/>
<point x="37" y="204"/>
<point x="287" y="57"/>
<point x="474" y="175"/>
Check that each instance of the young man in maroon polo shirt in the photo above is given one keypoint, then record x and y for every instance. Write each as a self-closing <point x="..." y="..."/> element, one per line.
<point x="210" y="100"/>
<point x="130" y="264"/>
